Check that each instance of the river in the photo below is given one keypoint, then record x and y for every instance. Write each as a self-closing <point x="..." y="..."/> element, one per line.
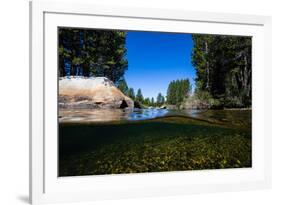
<point x="231" y="117"/>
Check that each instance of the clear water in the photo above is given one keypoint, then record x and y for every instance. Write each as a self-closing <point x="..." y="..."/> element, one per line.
<point x="232" y="117"/>
<point x="96" y="115"/>
<point x="130" y="143"/>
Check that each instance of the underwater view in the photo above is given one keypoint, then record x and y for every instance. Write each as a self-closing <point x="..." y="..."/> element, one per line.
<point x="155" y="141"/>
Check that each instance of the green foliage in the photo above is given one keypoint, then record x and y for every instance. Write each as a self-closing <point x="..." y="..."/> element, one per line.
<point x="201" y="100"/>
<point x="223" y="68"/>
<point x="131" y="93"/>
<point x="139" y="96"/>
<point x="147" y="102"/>
<point x="152" y="102"/>
<point x="123" y="87"/>
<point x="92" y="53"/>
<point x="177" y="91"/>
<point x="160" y="100"/>
<point x="206" y="97"/>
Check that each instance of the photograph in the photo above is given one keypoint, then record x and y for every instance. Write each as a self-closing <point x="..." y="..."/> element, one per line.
<point x="149" y="101"/>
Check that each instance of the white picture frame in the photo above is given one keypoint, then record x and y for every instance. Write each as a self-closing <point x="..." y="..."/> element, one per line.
<point x="45" y="186"/>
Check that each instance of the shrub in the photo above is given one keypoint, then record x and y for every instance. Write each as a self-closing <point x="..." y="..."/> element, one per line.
<point x="200" y="100"/>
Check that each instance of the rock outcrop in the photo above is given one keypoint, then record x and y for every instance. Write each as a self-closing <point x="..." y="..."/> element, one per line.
<point x="98" y="92"/>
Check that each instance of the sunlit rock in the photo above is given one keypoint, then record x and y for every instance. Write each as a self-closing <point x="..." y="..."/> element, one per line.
<point x="98" y="92"/>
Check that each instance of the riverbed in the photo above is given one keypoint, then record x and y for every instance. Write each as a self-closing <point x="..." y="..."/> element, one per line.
<point x="103" y="142"/>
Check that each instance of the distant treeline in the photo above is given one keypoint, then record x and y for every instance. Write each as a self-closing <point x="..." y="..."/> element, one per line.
<point x="224" y="68"/>
<point x="86" y="52"/>
<point x="178" y="91"/>
<point x="138" y="97"/>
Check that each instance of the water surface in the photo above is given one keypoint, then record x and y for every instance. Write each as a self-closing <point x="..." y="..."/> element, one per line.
<point x="230" y="117"/>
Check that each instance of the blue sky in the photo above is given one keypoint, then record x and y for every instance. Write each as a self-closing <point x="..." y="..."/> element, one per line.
<point x="155" y="59"/>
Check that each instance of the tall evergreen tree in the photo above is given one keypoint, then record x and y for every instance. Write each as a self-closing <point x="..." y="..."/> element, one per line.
<point x="223" y="67"/>
<point x="152" y="102"/>
<point x="177" y="91"/>
<point x="131" y="93"/>
<point x="91" y="52"/>
<point x="123" y="87"/>
<point x="160" y="99"/>
<point x="146" y="101"/>
<point x="139" y="96"/>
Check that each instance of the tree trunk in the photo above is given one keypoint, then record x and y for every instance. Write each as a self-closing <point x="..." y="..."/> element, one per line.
<point x="207" y="66"/>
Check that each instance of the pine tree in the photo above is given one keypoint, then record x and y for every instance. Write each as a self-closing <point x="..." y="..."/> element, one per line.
<point x="131" y="93"/>
<point x="160" y="100"/>
<point x="177" y="91"/>
<point x="91" y="52"/>
<point x="123" y="87"/>
<point x="139" y="96"/>
<point x="223" y="68"/>
<point x="146" y="101"/>
<point x="152" y="102"/>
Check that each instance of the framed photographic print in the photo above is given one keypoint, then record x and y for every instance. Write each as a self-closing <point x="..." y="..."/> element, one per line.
<point x="130" y="102"/>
